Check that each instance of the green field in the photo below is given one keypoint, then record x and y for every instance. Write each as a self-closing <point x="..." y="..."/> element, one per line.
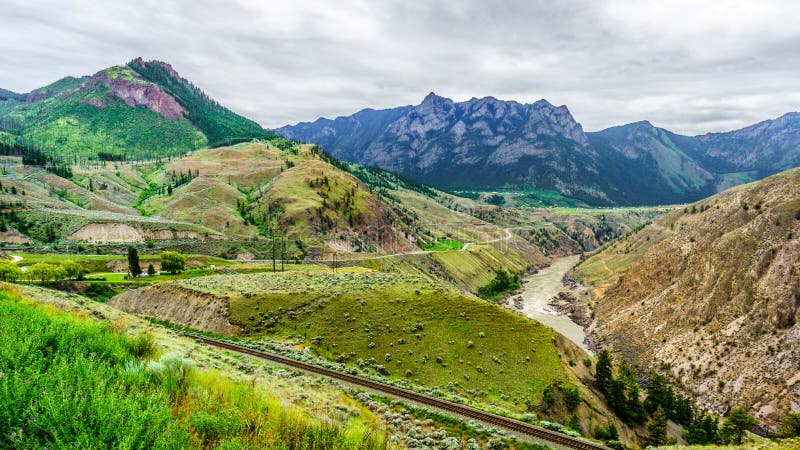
<point x="443" y="245"/>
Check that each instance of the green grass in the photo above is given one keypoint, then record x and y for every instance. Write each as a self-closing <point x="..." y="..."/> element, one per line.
<point x="75" y="383"/>
<point x="475" y="267"/>
<point x="443" y="245"/>
<point x="360" y="317"/>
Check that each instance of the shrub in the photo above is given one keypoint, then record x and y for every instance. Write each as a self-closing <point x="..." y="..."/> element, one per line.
<point x="172" y="262"/>
<point x="73" y="269"/>
<point x="10" y="272"/>
<point x="141" y="346"/>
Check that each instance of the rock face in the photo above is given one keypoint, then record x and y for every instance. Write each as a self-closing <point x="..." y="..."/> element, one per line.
<point x="135" y="91"/>
<point x="713" y="298"/>
<point x="489" y="143"/>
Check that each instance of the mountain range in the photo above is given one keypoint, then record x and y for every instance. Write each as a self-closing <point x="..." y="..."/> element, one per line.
<point x="489" y="144"/>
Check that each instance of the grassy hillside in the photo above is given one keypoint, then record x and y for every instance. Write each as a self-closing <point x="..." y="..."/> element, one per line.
<point x="707" y="295"/>
<point x="52" y="362"/>
<point x="403" y="327"/>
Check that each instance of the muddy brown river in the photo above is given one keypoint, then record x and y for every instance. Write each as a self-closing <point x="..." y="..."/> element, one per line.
<point x="539" y="288"/>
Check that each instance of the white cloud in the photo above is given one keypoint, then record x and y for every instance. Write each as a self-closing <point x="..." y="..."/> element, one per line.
<point x="688" y="66"/>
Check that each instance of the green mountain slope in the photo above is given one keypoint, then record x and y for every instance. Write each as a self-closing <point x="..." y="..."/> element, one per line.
<point x="122" y="114"/>
<point x="219" y="124"/>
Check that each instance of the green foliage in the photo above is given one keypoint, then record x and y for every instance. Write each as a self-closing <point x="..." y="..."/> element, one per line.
<point x="502" y="283"/>
<point x="99" y="291"/>
<point x="660" y="394"/>
<point x="548" y="398"/>
<point x="703" y="430"/>
<point x="496" y="199"/>
<point x="72" y="269"/>
<point x="603" y="374"/>
<point x="574" y="423"/>
<point x="572" y="396"/>
<point x="220" y="125"/>
<point x="172" y="262"/>
<point x="443" y="245"/>
<point x="79" y="384"/>
<point x="736" y="424"/>
<point x="61" y="385"/>
<point x="151" y="270"/>
<point x="10" y="272"/>
<point x="790" y="426"/>
<point x="46" y="272"/>
<point x="657" y="428"/>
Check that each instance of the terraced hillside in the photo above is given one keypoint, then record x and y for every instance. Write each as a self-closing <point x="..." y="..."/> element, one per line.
<point x="708" y="294"/>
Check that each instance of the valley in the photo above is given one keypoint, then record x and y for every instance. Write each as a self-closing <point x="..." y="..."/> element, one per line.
<point x="486" y="253"/>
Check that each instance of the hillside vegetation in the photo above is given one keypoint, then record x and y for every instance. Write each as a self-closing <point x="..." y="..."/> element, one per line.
<point x="401" y="327"/>
<point x="708" y="295"/>
<point x="68" y="382"/>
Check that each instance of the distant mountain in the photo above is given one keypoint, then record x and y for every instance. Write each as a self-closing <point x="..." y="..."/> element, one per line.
<point x="474" y="144"/>
<point x="6" y="95"/>
<point x="141" y="110"/>
<point x="491" y="144"/>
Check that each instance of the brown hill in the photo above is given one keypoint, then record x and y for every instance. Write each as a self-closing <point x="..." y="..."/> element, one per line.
<point x="709" y="295"/>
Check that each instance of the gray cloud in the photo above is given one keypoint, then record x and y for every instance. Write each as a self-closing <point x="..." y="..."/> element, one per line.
<point x="689" y="66"/>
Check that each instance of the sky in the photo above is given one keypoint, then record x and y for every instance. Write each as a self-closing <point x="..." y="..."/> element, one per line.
<point x="688" y="66"/>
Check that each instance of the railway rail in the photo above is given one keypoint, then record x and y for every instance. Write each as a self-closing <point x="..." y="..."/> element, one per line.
<point x="536" y="432"/>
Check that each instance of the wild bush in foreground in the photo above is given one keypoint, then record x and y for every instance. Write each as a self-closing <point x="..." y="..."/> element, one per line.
<point x="66" y="383"/>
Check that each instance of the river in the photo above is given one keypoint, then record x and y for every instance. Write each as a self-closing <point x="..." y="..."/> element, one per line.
<point x="539" y="288"/>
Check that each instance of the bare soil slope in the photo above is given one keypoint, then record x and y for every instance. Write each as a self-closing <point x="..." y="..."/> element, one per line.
<point x="710" y="294"/>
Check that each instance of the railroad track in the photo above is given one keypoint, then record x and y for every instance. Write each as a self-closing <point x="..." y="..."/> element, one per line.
<point x="539" y="433"/>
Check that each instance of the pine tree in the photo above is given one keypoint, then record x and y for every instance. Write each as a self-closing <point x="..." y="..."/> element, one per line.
<point x="657" y="428"/>
<point x="736" y="424"/>
<point x="603" y="370"/>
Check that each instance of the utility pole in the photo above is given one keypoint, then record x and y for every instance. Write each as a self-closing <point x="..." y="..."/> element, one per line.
<point x="273" y="254"/>
<point x="283" y="252"/>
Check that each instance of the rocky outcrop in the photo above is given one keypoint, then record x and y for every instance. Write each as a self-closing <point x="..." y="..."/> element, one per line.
<point x="135" y="91"/>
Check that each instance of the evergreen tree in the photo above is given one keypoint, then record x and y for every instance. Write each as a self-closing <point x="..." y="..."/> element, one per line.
<point x="657" y="428"/>
<point x="151" y="270"/>
<point x="133" y="262"/>
<point x="603" y="372"/>
<point x="736" y="424"/>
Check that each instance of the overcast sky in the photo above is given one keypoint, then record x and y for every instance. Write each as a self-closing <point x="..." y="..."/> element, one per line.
<point x="689" y="66"/>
